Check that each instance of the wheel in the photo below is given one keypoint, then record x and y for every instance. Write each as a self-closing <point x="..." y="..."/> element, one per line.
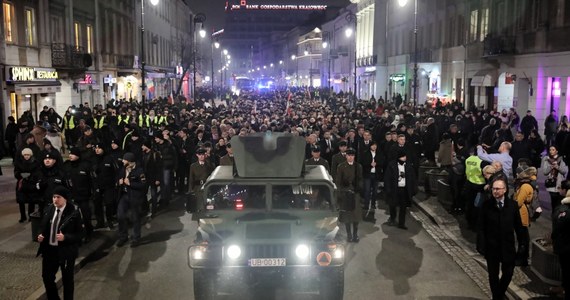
<point x="331" y="285"/>
<point x="204" y="285"/>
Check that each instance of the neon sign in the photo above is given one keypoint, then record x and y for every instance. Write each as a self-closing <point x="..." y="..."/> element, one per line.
<point x="22" y="74"/>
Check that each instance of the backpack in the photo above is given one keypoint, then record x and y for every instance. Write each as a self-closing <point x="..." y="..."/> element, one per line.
<point x="533" y="206"/>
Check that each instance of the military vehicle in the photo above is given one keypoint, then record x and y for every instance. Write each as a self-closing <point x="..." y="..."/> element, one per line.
<point x="269" y="221"/>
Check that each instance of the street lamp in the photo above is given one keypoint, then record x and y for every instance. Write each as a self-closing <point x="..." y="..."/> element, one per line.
<point x="294" y="57"/>
<point x="403" y="3"/>
<point x="216" y="45"/>
<point x="326" y="37"/>
<point x="198" y="19"/>
<point x="351" y="17"/>
<point x="143" y="62"/>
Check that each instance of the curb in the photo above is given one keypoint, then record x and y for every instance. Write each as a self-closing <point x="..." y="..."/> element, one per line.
<point x="514" y="292"/>
<point x="99" y="242"/>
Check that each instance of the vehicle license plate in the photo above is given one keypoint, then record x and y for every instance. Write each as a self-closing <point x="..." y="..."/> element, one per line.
<point x="267" y="262"/>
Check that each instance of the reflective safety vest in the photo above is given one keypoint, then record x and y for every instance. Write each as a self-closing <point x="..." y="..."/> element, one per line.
<point x="159" y="120"/>
<point x="120" y="118"/>
<point x="473" y="170"/>
<point x="69" y="122"/>
<point x="99" y="123"/>
<point x="146" y="121"/>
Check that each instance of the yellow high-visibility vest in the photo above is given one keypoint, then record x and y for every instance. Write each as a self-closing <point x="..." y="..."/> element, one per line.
<point x="69" y="123"/>
<point x="147" y="121"/>
<point x="473" y="170"/>
<point x="159" y="120"/>
<point x="120" y="118"/>
<point x="99" y="123"/>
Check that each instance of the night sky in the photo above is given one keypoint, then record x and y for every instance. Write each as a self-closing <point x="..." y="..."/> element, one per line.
<point x="214" y="9"/>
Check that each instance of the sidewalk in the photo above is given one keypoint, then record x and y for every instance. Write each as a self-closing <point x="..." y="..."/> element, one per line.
<point x="525" y="284"/>
<point x="21" y="270"/>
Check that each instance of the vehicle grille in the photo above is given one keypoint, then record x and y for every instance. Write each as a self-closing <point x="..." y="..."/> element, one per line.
<point x="268" y="251"/>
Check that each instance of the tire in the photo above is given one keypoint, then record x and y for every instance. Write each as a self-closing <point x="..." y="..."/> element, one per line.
<point x="331" y="285"/>
<point x="204" y="285"/>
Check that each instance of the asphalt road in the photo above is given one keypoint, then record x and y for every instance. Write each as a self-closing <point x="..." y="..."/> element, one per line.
<point x="388" y="263"/>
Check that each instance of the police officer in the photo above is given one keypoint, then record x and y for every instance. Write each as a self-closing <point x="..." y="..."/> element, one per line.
<point x="132" y="187"/>
<point x="78" y="177"/>
<point x="105" y="170"/>
<point x="473" y="185"/>
<point x="199" y="172"/>
<point x="61" y="233"/>
<point x="349" y="182"/>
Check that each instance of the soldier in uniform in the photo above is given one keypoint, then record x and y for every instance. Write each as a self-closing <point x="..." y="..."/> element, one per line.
<point x="338" y="158"/>
<point x="316" y="159"/>
<point x="228" y="159"/>
<point x="132" y="187"/>
<point x="78" y="177"/>
<point x="349" y="182"/>
<point x="199" y="172"/>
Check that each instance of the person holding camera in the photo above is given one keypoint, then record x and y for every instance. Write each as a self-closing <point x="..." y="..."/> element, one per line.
<point x="400" y="185"/>
<point x="554" y="167"/>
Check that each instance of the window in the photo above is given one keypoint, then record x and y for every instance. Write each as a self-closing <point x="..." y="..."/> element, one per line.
<point x="77" y="34"/>
<point x="9" y="23"/>
<point x="485" y="23"/>
<point x="473" y="26"/>
<point x="89" y="39"/>
<point x="56" y="29"/>
<point x="30" y="26"/>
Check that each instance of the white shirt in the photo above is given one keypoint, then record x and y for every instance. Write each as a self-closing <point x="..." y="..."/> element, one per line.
<point x="56" y="222"/>
<point x="401" y="180"/>
<point x="373" y="170"/>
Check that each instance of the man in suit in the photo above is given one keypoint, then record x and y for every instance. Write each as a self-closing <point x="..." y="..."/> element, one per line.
<point x="499" y="219"/>
<point x="61" y="233"/>
<point x="400" y="185"/>
<point x="328" y="146"/>
<point x="371" y="172"/>
<point x="316" y="159"/>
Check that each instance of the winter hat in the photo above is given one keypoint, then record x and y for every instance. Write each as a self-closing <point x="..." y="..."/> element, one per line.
<point x="27" y="151"/>
<point x="147" y="143"/>
<point x="75" y="151"/>
<point x="62" y="191"/>
<point x="129" y="156"/>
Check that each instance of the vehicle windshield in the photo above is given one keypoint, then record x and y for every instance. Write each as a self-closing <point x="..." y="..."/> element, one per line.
<point x="252" y="197"/>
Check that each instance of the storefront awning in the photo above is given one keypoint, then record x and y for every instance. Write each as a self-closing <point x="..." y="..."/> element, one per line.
<point x="38" y="88"/>
<point x="484" y="78"/>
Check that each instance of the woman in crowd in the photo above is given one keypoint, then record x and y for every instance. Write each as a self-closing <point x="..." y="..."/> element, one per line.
<point x="27" y="172"/>
<point x="554" y="167"/>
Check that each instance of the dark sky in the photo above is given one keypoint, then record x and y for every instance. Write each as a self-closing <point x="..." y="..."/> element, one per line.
<point x="214" y="9"/>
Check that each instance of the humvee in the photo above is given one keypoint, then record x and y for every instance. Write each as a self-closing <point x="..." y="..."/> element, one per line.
<point x="269" y="221"/>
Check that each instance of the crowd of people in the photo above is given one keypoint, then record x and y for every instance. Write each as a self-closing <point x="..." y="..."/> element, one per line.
<point x="122" y="151"/>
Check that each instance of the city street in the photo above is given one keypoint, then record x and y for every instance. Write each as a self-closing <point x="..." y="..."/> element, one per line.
<point x="388" y="263"/>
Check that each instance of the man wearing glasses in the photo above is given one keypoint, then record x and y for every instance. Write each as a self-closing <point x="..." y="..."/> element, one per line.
<point x="498" y="222"/>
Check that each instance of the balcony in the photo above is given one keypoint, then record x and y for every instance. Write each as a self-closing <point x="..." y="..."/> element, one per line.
<point x="499" y="45"/>
<point x="69" y="57"/>
<point x="125" y="61"/>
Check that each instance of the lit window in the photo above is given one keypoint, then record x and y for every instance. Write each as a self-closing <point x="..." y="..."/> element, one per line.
<point x="484" y="23"/>
<point x="473" y="27"/>
<point x="30" y="27"/>
<point x="9" y="34"/>
<point x="77" y="32"/>
<point x="89" y="39"/>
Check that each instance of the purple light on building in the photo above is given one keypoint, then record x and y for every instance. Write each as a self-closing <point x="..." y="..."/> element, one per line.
<point x="539" y="92"/>
<point x="555" y="94"/>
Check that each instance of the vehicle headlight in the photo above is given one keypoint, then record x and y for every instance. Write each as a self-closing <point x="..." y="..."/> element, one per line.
<point x="197" y="253"/>
<point x="302" y="251"/>
<point x="338" y="253"/>
<point x="234" y="251"/>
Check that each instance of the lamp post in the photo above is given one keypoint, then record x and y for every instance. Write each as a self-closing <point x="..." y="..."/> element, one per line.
<point x="143" y="63"/>
<point x="216" y="45"/>
<point x="198" y="18"/>
<point x="415" y="82"/>
<point x="223" y="54"/>
<point x="294" y="57"/>
<point x="326" y="39"/>
<point x="351" y="17"/>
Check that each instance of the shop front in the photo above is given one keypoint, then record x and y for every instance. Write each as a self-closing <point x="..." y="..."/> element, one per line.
<point x="397" y="85"/>
<point x="30" y="89"/>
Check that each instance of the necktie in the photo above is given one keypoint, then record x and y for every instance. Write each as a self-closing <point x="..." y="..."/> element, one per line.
<point x="54" y="227"/>
<point x="500" y="204"/>
<point x="328" y="143"/>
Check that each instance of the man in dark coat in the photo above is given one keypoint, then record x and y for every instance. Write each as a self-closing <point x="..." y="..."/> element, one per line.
<point x="61" y="233"/>
<point x="105" y="171"/>
<point x="316" y="159"/>
<point x="152" y="166"/>
<point x="51" y="177"/>
<point x="228" y="159"/>
<point x="528" y="123"/>
<point x="132" y="192"/>
<point x="499" y="219"/>
<point x="169" y="162"/>
<point x="519" y="149"/>
<point x="371" y="172"/>
<point x="349" y="183"/>
<point x="400" y="185"/>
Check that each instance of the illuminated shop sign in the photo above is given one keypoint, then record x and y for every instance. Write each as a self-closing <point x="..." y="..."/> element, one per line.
<point x="244" y="6"/>
<point x="398" y="77"/>
<point x="556" y="90"/>
<point x="26" y="74"/>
